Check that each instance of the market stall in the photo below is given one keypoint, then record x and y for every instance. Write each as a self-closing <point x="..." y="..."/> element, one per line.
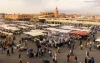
<point x="10" y="29"/>
<point x="82" y="33"/>
<point x="79" y="34"/>
<point x="67" y="27"/>
<point x="43" y="26"/>
<point x="59" y="30"/>
<point x="22" y="27"/>
<point x="34" y="34"/>
<point x="53" y="25"/>
<point x="98" y="43"/>
<point x="52" y="29"/>
<point x="6" y="33"/>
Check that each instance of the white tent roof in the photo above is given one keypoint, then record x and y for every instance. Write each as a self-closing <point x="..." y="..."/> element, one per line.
<point x="53" y="24"/>
<point x="43" y="25"/>
<point x="35" y="32"/>
<point x="65" y="31"/>
<point x="59" y="30"/>
<point x="30" y="25"/>
<point x="98" y="39"/>
<point x="22" y="27"/>
<point x="12" y="24"/>
<point x="6" y="33"/>
<point x="87" y="30"/>
<point x="12" y="28"/>
<point x="67" y="27"/>
<point x="24" y="24"/>
<point x="53" y="29"/>
<point x="72" y="28"/>
<point x="6" y="26"/>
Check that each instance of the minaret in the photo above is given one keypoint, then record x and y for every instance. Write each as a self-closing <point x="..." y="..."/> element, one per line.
<point x="87" y="15"/>
<point x="56" y="12"/>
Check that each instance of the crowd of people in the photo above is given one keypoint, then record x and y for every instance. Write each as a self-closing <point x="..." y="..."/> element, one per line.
<point x="44" y="45"/>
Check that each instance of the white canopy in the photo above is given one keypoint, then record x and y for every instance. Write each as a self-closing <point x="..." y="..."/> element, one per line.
<point x="67" y="27"/>
<point x="35" y="32"/>
<point x="6" y="26"/>
<point x="73" y="28"/>
<point x="24" y="24"/>
<point x="41" y="31"/>
<point x="43" y="25"/>
<point x="53" y="24"/>
<point x="53" y="29"/>
<point x="6" y="33"/>
<point x="12" y="24"/>
<point x="22" y="27"/>
<point x="59" y="30"/>
<point x="65" y="31"/>
<point x="30" y="25"/>
<point x="11" y="28"/>
<point x="87" y="30"/>
<point x="98" y="39"/>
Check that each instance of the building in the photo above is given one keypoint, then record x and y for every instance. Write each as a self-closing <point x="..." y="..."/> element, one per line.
<point x="1" y="16"/>
<point x="22" y="17"/>
<point x="62" y="15"/>
<point x="47" y="14"/>
<point x="72" y="15"/>
<point x="56" y="12"/>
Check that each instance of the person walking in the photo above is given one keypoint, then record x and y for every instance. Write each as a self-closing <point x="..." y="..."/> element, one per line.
<point x="87" y="53"/>
<point x="76" y="59"/>
<point x="20" y="61"/>
<point x="90" y="47"/>
<point x="8" y="54"/>
<point x="58" y="49"/>
<point x="19" y="55"/>
<point x="85" y="60"/>
<point x="27" y="61"/>
<point x="50" y="53"/>
<point x="53" y="59"/>
<point x="12" y="50"/>
<point x="68" y="57"/>
<point x="81" y="47"/>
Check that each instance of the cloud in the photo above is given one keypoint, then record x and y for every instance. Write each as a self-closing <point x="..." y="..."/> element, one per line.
<point x="67" y="4"/>
<point x="36" y="6"/>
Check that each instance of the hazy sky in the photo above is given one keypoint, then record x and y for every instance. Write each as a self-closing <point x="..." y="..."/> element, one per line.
<point x="36" y="6"/>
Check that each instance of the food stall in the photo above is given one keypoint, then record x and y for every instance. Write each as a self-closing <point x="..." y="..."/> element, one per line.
<point x="53" y="25"/>
<point x="79" y="34"/>
<point x="35" y="33"/>
<point x="98" y="43"/>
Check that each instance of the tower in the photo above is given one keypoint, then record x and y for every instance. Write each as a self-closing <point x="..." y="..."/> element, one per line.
<point x="56" y="12"/>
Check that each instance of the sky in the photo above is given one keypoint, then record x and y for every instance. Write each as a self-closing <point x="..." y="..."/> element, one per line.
<point x="64" y="6"/>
